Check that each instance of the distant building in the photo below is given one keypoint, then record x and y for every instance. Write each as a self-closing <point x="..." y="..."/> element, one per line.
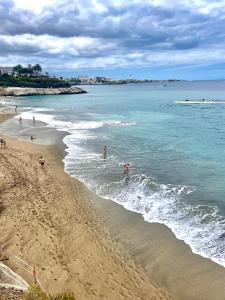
<point x="6" y="70"/>
<point x="100" y="79"/>
<point x="84" y="78"/>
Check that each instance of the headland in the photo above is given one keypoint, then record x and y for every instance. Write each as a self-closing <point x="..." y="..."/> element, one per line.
<point x="30" y="91"/>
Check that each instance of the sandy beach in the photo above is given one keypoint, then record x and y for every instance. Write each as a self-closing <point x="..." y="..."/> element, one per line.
<point x="79" y="242"/>
<point x="49" y="223"/>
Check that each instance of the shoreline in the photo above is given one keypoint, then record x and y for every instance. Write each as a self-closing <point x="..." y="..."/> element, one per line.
<point x="174" y="263"/>
<point x="50" y="222"/>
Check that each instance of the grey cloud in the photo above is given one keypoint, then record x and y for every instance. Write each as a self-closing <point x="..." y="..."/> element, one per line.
<point x="129" y="20"/>
<point x="126" y="29"/>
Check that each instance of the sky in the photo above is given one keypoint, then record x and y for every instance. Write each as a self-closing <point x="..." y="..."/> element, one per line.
<point x="153" y="39"/>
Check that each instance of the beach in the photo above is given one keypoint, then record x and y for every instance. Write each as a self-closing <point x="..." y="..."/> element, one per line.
<point x="49" y="223"/>
<point x="92" y="246"/>
<point x="112" y="150"/>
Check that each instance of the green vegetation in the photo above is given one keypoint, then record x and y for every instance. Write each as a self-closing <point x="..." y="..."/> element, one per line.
<point x="30" y="70"/>
<point x="31" y="77"/>
<point x="35" y="293"/>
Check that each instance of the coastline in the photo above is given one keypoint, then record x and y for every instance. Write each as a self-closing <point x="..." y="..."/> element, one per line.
<point x="168" y="262"/>
<point x="50" y="223"/>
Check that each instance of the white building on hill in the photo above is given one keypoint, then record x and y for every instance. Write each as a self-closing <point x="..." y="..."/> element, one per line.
<point x="6" y="70"/>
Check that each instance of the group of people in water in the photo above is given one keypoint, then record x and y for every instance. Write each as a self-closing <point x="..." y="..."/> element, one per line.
<point x="126" y="167"/>
<point x="41" y="160"/>
<point x="21" y="122"/>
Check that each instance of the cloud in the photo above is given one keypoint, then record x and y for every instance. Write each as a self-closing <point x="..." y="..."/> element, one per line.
<point x="109" y="34"/>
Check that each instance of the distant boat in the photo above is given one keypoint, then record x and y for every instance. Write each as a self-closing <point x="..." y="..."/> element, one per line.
<point x="201" y="101"/>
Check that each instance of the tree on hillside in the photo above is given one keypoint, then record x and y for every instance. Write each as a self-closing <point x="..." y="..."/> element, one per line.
<point x="26" y="71"/>
<point x="37" y="69"/>
<point x="17" y="69"/>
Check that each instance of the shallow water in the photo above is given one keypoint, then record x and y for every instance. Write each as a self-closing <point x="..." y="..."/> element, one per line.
<point x="176" y="152"/>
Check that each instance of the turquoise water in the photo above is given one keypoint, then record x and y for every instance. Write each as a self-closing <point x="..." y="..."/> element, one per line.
<point x="176" y="152"/>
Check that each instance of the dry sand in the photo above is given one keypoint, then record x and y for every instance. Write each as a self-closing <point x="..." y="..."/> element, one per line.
<point x="49" y="222"/>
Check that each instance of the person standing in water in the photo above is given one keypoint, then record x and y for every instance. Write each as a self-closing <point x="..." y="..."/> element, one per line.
<point x="33" y="119"/>
<point x="20" y="120"/>
<point x="104" y="152"/>
<point x="127" y="169"/>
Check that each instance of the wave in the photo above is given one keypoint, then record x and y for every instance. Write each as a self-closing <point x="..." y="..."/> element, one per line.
<point x="68" y="125"/>
<point x="201" y="227"/>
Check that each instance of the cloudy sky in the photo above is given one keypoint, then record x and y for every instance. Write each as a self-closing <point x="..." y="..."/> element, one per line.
<point x="145" y="38"/>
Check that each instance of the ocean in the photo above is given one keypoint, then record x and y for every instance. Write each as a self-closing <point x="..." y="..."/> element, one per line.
<point x="176" y="151"/>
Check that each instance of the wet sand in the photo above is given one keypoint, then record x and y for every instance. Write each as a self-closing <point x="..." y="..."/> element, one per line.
<point x="92" y="246"/>
<point x="169" y="262"/>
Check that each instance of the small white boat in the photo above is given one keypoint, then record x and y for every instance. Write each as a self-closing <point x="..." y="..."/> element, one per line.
<point x="203" y="101"/>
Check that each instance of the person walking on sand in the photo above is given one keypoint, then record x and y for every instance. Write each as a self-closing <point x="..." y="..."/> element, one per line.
<point x="42" y="162"/>
<point x="33" y="119"/>
<point x="20" y="120"/>
<point x="4" y="144"/>
<point x="104" y="152"/>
